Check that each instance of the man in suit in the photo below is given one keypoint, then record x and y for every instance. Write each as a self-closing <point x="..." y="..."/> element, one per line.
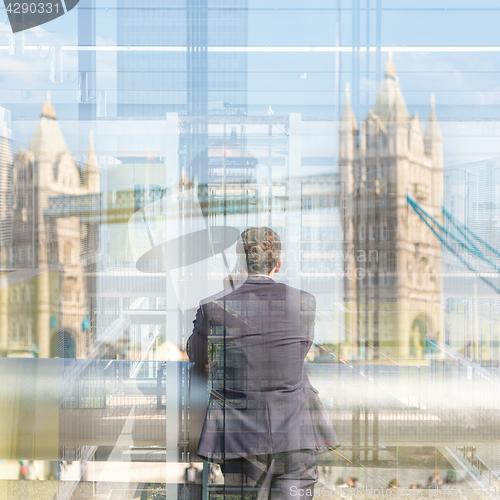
<point x="265" y="422"/>
<point x="192" y="483"/>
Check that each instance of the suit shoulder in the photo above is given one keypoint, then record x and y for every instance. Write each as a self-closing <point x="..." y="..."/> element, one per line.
<point x="303" y="293"/>
<point x="304" y="296"/>
<point x="308" y="299"/>
<point x="223" y="294"/>
<point x="228" y="294"/>
<point x="307" y="296"/>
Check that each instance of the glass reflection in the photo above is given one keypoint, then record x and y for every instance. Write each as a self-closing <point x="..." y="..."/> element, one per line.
<point x="136" y="139"/>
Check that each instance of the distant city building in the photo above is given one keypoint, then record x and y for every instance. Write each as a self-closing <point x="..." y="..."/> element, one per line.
<point x="5" y="199"/>
<point x="472" y="191"/>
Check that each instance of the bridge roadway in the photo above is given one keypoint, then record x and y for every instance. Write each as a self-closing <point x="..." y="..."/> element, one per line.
<point x="443" y="404"/>
<point x="98" y="403"/>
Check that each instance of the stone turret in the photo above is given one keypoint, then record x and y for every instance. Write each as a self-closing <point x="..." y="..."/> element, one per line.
<point x="348" y="130"/>
<point x="433" y="141"/>
<point x="48" y="110"/>
<point x="48" y="147"/>
<point x="390" y="95"/>
<point x="397" y="129"/>
<point x="416" y="138"/>
<point x="91" y="171"/>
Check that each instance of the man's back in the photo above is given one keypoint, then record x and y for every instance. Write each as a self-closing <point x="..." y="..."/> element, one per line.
<point x="266" y="329"/>
<point x="261" y="399"/>
<point x="265" y="421"/>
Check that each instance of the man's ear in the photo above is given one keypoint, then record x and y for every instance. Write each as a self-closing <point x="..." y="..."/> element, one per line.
<point x="278" y="266"/>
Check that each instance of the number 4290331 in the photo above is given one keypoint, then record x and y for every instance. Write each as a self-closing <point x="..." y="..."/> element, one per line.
<point x="32" y="8"/>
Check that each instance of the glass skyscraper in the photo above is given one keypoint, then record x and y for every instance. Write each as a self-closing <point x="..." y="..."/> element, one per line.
<point x="180" y="69"/>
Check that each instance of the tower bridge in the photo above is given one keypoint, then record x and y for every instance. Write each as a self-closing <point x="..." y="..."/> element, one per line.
<point x="381" y="161"/>
<point x="391" y="184"/>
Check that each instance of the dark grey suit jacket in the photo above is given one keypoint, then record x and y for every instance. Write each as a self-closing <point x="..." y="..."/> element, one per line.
<point x="262" y="401"/>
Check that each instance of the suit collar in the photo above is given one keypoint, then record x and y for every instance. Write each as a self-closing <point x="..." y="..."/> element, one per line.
<point x="259" y="278"/>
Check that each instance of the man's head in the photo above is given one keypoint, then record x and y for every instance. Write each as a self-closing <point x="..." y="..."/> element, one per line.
<point x="261" y="250"/>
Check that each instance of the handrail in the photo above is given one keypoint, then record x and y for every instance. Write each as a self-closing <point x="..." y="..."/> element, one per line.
<point x="467" y="362"/>
<point x="424" y="215"/>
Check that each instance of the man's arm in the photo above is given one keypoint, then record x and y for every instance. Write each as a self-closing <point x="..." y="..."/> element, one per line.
<point x="197" y="344"/>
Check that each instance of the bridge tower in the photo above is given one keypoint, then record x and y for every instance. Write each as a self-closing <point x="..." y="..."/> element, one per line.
<point x="55" y="246"/>
<point x="392" y="287"/>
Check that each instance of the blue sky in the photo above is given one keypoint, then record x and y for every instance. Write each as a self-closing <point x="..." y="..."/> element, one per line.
<point x="466" y="84"/>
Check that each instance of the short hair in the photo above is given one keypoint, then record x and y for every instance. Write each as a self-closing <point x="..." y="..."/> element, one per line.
<point x="261" y="249"/>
